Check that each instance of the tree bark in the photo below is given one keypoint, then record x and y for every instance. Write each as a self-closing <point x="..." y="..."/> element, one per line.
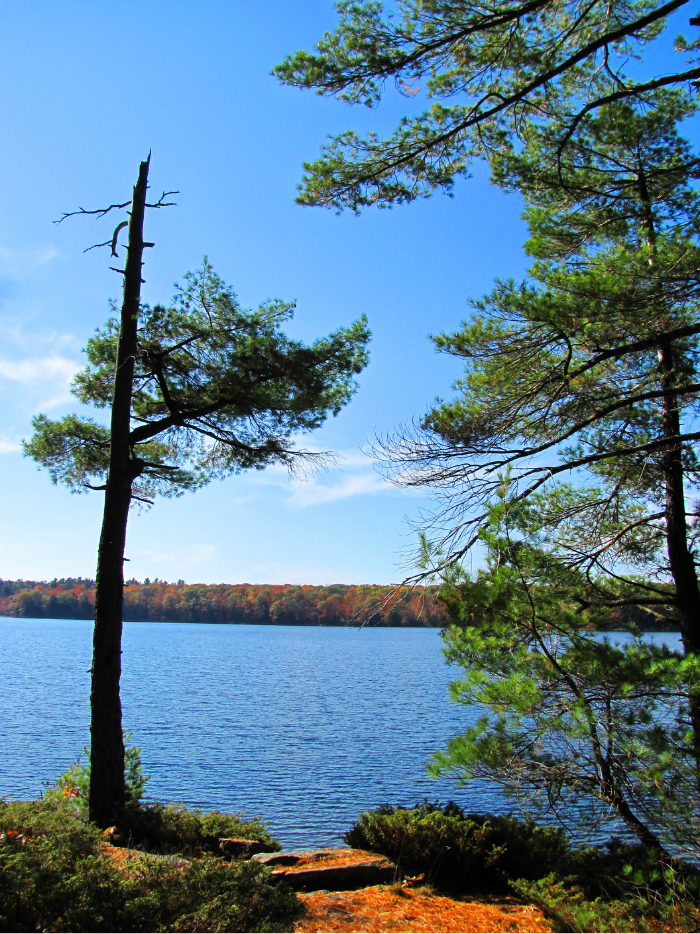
<point x="106" y="803"/>
<point x="679" y="554"/>
<point x="680" y="557"/>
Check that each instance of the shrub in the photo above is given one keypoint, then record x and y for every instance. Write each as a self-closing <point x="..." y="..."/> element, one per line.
<point x="173" y="828"/>
<point x="51" y="872"/>
<point x="56" y="874"/>
<point x="454" y="848"/>
<point x="73" y="785"/>
<point x="618" y="888"/>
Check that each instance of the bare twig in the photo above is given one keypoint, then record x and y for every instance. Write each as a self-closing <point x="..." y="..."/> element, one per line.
<point x="99" y="212"/>
<point x="163" y="204"/>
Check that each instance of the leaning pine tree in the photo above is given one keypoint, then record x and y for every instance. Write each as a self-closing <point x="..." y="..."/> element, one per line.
<point x="196" y="390"/>
<point x="587" y="370"/>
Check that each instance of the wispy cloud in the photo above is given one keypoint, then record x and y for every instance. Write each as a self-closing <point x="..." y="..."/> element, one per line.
<point x="9" y="447"/>
<point x="19" y="261"/>
<point x="354" y="474"/>
<point x="200" y="554"/>
<point x="191" y="555"/>
<point x="313" y="493"/>
<point x="53" y="368"/>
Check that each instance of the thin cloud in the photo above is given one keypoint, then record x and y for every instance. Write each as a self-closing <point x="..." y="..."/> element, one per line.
<point x="201" y="554"/>
<point x="19" y="261"/>
<point x="314" y="493"/>
<point x="53" y="368"/>
<point x="9" y="447"/>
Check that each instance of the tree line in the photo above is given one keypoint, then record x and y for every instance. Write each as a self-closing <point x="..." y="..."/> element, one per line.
<point x="261" y="604"/>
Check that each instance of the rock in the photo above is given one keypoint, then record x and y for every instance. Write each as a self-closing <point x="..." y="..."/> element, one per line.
<point x="339" y="870"/>
<point x="292" y="857"/>
<point x="238" y="848"/>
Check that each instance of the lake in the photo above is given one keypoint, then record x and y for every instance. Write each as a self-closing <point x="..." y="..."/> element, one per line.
<point x="304" y="726"/>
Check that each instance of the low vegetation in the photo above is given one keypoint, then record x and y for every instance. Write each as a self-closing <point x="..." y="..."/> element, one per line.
<point x="160" y="870"/>
<point x="616" y="888"/>
<point x="58" y="873"/>
<point x="458" y="850"/>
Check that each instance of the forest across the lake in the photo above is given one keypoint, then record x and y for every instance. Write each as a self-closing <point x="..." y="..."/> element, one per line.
<point x="273" y="604"/>
<point x="268" y="604"/>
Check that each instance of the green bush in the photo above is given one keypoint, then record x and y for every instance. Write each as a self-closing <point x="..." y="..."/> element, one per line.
<point x="620" y="887"/>
<point x="457" y="849"/>
<point x="56" y="875"/>
<point x="567" y="905"/>
<point x="73" y="785"/>
<point x="173" y="828"/>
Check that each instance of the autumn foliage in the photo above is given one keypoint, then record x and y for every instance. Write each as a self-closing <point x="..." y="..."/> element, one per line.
<point x="267" y="604"/>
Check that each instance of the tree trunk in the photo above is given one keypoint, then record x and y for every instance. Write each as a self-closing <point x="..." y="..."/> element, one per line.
<point x="106" y="804"/>
<point x="679" y="554"/>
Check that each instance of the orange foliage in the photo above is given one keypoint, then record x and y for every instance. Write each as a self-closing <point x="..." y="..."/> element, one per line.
<point x="160" y="601"/>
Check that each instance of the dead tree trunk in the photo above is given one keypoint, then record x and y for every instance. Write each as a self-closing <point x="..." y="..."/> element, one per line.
<point x="106" y="804"/>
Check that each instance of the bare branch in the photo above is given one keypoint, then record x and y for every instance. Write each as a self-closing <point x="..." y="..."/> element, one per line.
<point x="116" y="234"/>
<point x="160" y="203"/>
<point x="96" y="246"/>
<point x="113" y="241"/>
<point x="99" y="212"/>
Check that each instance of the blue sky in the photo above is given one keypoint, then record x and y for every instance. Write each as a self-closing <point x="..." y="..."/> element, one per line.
<point x="87" y="89"/>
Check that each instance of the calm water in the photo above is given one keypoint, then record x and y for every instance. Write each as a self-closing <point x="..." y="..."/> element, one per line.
<point x="304" y="726"/>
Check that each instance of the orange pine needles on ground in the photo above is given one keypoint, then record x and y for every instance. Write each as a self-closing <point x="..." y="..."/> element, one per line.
<point x="396" y="909"/>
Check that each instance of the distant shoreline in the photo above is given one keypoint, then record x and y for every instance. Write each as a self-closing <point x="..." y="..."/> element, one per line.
<point x="263" y="604"/>
<point x="348" y="624"/>
<point x="333" y="605"/>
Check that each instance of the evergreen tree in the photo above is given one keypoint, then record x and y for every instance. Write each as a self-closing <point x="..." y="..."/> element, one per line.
<point x="588" y="369"/>
<point x="570" y="722"/>
<point x="492" y="70"/>
<point x="196" y="390"/>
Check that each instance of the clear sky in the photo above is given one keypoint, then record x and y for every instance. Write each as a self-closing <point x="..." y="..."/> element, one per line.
<point x="87" y="89"/>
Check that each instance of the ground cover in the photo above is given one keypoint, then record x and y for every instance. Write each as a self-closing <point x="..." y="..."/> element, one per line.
<point x="58" y="873"/>
<point x="398" y="909"/>
<point x="164" y="871"/>
<point x="619" y="887"/>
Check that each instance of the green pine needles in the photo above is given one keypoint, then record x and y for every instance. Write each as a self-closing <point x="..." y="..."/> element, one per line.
<point x="572" y="721"/>
<point x="217" y="389"/>
<point x="483" y="72"/>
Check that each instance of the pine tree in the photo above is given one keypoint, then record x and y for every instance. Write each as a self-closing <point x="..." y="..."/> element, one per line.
<point x="587" y="370"/>
<point x="198" y="389"/>
<point x="491" y="70"/>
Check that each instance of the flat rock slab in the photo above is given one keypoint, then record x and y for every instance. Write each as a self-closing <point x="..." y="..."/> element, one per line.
<point x="338" y="870"/>
<point x="239" y="848"/>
